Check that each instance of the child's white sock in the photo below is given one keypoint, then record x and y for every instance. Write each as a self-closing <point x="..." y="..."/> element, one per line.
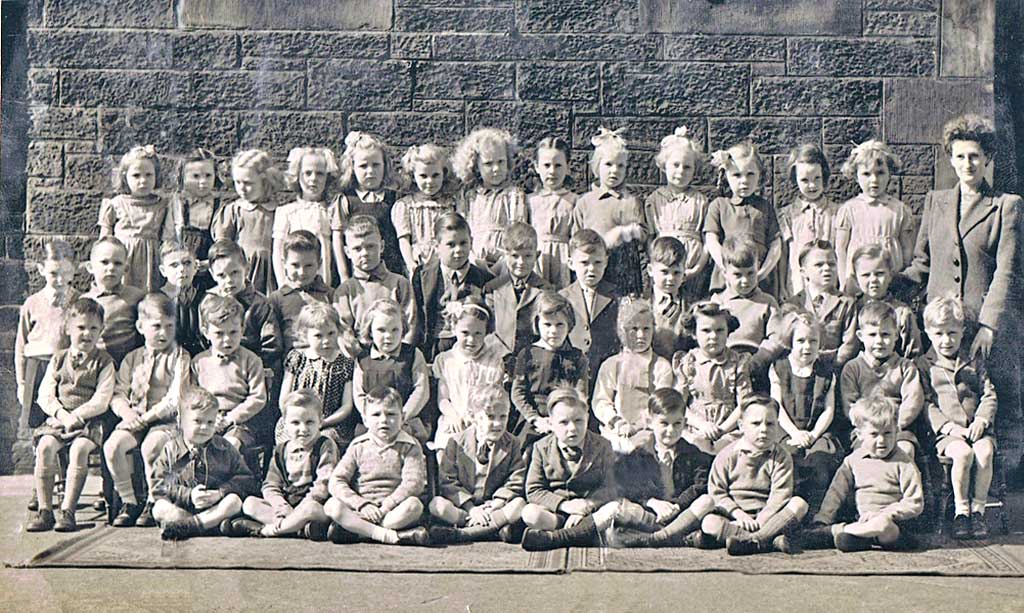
<point x="961" y="507"/>
<point x="383" y="535"/>
<point x="126" y="491"/>
<point x="978" y="506"/>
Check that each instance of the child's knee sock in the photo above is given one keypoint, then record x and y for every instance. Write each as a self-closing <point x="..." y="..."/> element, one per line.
<point x="498" y="518"/>
<point x="632" y="515"/>
<point x="384" y="535"/>
<point x="582" y="534"/>
<point x="44" y="478"/>
<point x="775" y="525"/>
<point x="74" y="485"/>
<point x="673" y="535"/>
<point x="126" y="490"/>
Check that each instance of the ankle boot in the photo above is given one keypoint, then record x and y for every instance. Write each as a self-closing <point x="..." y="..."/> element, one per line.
<point x="581" y="535"/>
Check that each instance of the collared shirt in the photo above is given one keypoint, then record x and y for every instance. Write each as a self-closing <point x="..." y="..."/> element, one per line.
<point x="382" y="475"/>
<point x="288" y="301"/>
<point x="149" y="382"/>
<point x="238" y="382"/>
<point x="624" y="383"/>
<point x="119" y="315"/>
<point x="958" y="391"/>
<point x="41" y="324"/>
<point x="85" y="387"/>
<point x="216" y="465"/>
<point x="368" y="196"/>
<point x="357" y="293"/>
<point x="716" y="385"/>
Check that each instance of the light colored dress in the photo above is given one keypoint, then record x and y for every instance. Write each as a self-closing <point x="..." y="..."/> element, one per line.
<point x="883" y="222"/>
<point x="551" y="215"/>
<point x="624" y="384"/>
<point x="680" y="216"/>
<point x="313" y="217"/>
<point x="461" y="374"/>
<point x="413" y="217"/>
<point x="138" y="223"/>
<point x="489" y="211"/>
<point x="801" y="223"/>
<point x="250" y="225"/>
<point x="602" y="209"/>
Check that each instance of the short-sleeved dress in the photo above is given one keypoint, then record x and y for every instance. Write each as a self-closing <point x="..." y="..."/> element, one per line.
<point x="752" y="220"/>
<point x="800" y="223"/>
<point x="138" y="223"/>
<point x="602" y="209"/>
<point x="551" y="215"/>
<point x="461" y="374"/>
<point x="489" y="211"/>
<point x="250" y="224"/>
<point x="313" y="217"/>
<point x="377" y="204"/>
<point x="883" y="222"/>
<point x="681" y="215"/>
<point x="413" y="218"/>
<point x="327" y="380"/>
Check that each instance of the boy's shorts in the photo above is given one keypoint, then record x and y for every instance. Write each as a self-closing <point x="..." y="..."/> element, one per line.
<point x="244" y="433"/>
<point x="944" y="441"/>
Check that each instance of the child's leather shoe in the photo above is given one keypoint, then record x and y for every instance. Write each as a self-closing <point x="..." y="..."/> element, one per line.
<point x="962" y="527"/>
<point x="181" y="529"/>
<point x="416" y="536"/>
<point x="240" y="527"/>
<point x="146" y="519"/>
<point x="979" y="527"/>
<point x="128" y="516"/>
<point x="65" y="521"/>
<point x="41" y="521"/>
<point x="849" y="543"/>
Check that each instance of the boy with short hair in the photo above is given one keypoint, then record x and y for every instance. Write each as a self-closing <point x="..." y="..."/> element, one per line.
<point x="666" y="269"/>
<point x="872" y="268"/>
<point x="751" y="482"/>
<point x="232" y="373"/>
<point x="837" y="313"/>
<point x="145" y="398"/>
<point x="199" y="479"/>
<point x="107" y="262"/>
<point x="301" y="286"/>
<point x="451" y="278"/>
<point x="884" y="480"/>
<point x="594" y="298"/>
<point x="178" y="267"/>
<point x="569" y="488"/>
<point x="375" y="488"/>
<point x="511" y="294"/>
<point x="481" y="475"/>
<point x="371" y="280"/>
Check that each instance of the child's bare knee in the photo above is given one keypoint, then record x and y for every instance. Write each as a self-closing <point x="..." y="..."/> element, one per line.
<point x="797" y="506"/>
<point x="165" y="510"/>
<point x="712" y="524"/>
<point x="335" y="509"/>
<point x="703" y="506"/>
<point x="250" y="505"/>
<point x="437" y="505"/>
<point x="983" y="452"/>
<point x="231" y="503"/>
<point x="533" y="513"/>
<point x="890" y="532"/>
<point x="47" y="449"/>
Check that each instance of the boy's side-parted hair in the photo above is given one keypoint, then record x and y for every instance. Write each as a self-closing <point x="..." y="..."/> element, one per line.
<point x="808" y="154"/>
<point x="428" y="153"/>
<point x="155" y="305"/>
<point x="567" y="395"/>
<point x="383" y="396"/>
<point x="200" y="154"/>
<point x="467" y="153"/>
<point x="873" y="251"/>
<point x="364" y="141"/>
<point x="588" y="241"/>
<point x="172" y="247"/>
<point x="302" y="241"/>
<point x="667" y="251"/>
<point x="519" y="235"/>
<point x="969" y="127"/>
<point x="223" y="248"/>
<point x="706" y="308"/>
<point x="944" y="310"/>
<point x="549" y="304"/>
<point x="59" y="250"/>
<point x="875" y="313"/>
<point x="873" y="410"/>
<point x="305" y="399"/>
<point x="759" y="400"/>
<point x="135" y="154"/>
<point x="738" y="253"/>
<point x="217" y="310"/>
<point x="485" y="396"/>
<point x="817" y="244"/>
<point x="195" y="399"/>
<point x="383" y="307"/>
<point x="451" y="222"/>
<point x="666" y="400"/>
<point x="84" y="307"/>
<point x="361" y="226"/>
<point x="111" y="240"/>
<point x="317" y="315"/>
<point x="867" y="153"/>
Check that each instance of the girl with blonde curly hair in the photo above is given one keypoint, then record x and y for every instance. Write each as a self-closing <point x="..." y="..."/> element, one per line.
<point x="313" y="175"/>
<point x="426" y="170"/>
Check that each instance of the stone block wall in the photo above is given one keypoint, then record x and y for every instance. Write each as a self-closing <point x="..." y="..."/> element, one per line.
<point x="103" y="76"/>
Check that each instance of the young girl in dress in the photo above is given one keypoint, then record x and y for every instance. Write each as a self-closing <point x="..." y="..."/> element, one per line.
<point x="744" y="213"/>
<point x="874" y="216"/>
<point x="367" y="187"/>
<point x="191" y="211"/>
<point x="677" y="209"/>
<point x="136" y="215"/>
<point x="626" y="380"/>
<point x="615" y="213"/>
<point x="550" y="211"/>
<point x="811" y="216"/>
<point x="249" y="221"/>
<point x="426" y="167"/>
<point x="312" y="174"/>
<point x="323" y="368"/>
<point x="490" y="201"/>
<point x="549" y="362"/>
<point x="472" y="363"/>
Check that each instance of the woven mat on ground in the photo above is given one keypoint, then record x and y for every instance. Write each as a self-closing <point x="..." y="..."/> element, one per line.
<point x="106" y="547"/>
<point x="968" y="559"/>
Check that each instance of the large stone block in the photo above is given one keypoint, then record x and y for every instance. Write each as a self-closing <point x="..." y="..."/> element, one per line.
<point x="774" y="135"/>
<point x="409" y="128"/>
<point x="558" y="81"/>
<point x="496" y="47"/>
<point x="857" y="57"/>
<point x="91" y="172"/>
<point x="360" y="85"/>
<point x="53" y="122"/>
<point x="106" y="14"/>
<point x="124" y="88"/>
<point x="850" y="129"/>
<point x="528" y="121"/>
<point x="801" y="96"/>
<point x="894" y="23"/>
<point x="410" y="46"/>
<point x="332" y="45"/>
<point x="902" y="5"/>
<point x="250" y="90"/>
<point x="172" y="132"/>
<point x="917" y="159"/>
<point x="639" y="132"/>
<point x="42" y="86"/>
<point x="618" y="16"/>
<point x="430" y="19"/>
<point x="60" y="211"/>
<point x="45" y="159"/>
<point x="725" y="48"/>
<point x="278" y="132"/>
<point x="751" y="16"/>
<point x="916" y="109"/>
<point x="286" y="14"/>
<point x="476" y="80"/>
<point x="674" y="89"/>
<point x="968" y="38"/>
<point x="132" y="49"/>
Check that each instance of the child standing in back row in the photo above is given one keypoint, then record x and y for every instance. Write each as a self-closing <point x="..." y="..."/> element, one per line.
<point x="414" y="216"/>
<point x="312" y="175"/>
<point x="811" y="216"/>
<point x="551" y="208"/>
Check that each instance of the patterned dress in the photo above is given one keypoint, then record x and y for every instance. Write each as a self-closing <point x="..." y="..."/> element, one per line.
<point x="489" y="211"/>
<point x="413" y="218"/>
<point x="327" y="380"/>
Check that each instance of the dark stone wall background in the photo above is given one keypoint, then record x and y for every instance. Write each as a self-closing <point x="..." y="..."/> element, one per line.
<point x="103" y="76"/>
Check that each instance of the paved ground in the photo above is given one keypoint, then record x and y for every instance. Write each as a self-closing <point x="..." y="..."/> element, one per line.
<point x="124" y="590"/>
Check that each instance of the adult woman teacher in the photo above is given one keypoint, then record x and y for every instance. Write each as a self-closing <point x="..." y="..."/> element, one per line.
<point x="969" y="246"/>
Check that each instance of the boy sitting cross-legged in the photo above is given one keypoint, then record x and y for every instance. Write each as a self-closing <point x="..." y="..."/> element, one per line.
<point x="481" y="475"/>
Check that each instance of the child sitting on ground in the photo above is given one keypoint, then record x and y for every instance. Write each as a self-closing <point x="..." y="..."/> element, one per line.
<point x="481" y="475"/>
<point x="751" y="482"/>
<point x="375" y="488"/>
<point x="885" y="483"/>
<point x="199" y="478"/>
